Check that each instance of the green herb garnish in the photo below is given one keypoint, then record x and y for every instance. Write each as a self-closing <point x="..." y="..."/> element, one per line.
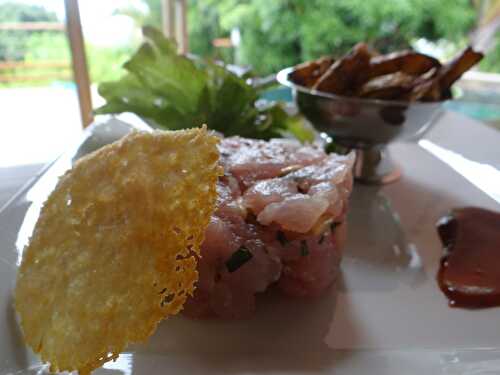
<point x="304" y="250"/>
<point x="330" y="146"/>
<point x="321" y="239"/>
<point x="173" y="92"/>
<point x="334" y="225"/>
<point x="280" y="236"/>
<point x="238" y="259"/>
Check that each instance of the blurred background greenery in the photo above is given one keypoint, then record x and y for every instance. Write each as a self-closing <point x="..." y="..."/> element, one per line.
<point x="285" y="32"/>
<point x="266" y="35"/>
<point x="279" y="33"/>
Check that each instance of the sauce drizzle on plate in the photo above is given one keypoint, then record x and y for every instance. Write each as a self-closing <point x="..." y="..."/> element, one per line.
<point x="469" y="274"/>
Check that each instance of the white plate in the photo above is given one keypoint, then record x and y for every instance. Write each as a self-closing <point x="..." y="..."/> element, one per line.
<point x="388" y="315"/>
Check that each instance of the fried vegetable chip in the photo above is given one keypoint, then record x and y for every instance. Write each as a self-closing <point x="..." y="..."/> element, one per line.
<point x="437" y="87"/>
<point x="408" y="62"/>
<point x="454" y="69"/>
<point x="404" y="75"/>
<point x="425" y="88"/>
<point x="115" y="248"/>
<point x="346" y="74"/>
<point x="388" y="86"/>
<point x="307" y="73"/>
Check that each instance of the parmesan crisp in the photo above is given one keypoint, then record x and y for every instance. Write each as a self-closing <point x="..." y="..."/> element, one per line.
<point x="115" y="248"/>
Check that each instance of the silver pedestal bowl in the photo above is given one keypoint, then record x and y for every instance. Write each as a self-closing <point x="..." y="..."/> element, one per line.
<point x="366" y="125"/>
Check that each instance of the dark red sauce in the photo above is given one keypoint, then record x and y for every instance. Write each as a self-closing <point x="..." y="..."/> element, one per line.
<point x="469" y="274"/>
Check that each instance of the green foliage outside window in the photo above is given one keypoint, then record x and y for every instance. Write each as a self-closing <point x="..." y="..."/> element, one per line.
<point x="13" y="43"/>
<point x="274" y="34"/>
<point x="279" y="33"/>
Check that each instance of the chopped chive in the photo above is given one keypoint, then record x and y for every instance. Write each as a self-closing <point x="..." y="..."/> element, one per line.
<point x="238" y="259"/>
<point x="280" y="236"/>
<point x="330" y="147"/>
<point x="321" y="239"/>
<point x="334" y="225"/>
<point x="304" y="250"/>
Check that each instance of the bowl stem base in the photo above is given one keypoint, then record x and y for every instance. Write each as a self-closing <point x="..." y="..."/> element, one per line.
<point x="374" y="166"/>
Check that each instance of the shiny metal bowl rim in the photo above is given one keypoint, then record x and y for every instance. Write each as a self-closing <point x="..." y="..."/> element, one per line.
<point x="282" y="78"/>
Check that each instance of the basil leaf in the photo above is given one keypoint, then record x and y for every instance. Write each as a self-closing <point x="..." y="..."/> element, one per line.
<point x="176" y="92"/>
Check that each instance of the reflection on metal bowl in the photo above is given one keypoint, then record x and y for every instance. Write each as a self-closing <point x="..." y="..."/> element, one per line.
<point x="367" y="125"/>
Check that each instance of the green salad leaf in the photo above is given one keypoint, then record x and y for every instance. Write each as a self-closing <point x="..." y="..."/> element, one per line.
<point x="176" y="92"/>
